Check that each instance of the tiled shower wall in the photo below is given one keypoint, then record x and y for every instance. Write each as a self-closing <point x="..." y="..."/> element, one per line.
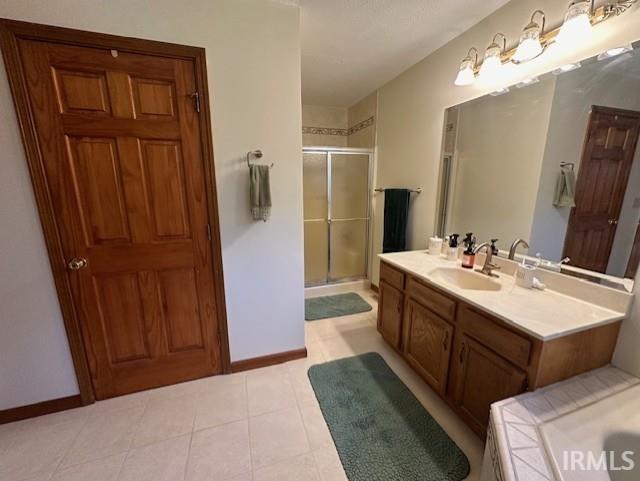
<point x="340" y="127"/>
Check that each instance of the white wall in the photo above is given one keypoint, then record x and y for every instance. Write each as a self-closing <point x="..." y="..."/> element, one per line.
<point x="328" y="118"/>
<point x="411" y="116"/>
<point x="499" y="155"/>
<point x="253" y="59"/>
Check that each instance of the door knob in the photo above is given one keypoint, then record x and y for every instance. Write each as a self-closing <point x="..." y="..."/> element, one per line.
<point x="77" y="263"/>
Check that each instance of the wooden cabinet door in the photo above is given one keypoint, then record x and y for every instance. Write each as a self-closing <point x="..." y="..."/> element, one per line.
<point x="427" y="345"/>
<point x="120" y="138"/>
<point x="390" y="306"/>
<point x="483" y="378"/>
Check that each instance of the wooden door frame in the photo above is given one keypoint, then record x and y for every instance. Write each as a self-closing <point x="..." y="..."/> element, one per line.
<point x="598" y="109"/>
<point x="10" y="32"/>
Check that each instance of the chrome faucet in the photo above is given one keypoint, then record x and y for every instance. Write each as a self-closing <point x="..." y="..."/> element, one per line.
<point x="514" y="246"/>
<point x="488" y="266"/>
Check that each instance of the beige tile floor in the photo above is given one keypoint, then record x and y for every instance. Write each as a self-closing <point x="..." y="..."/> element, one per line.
<point x="262" y="425"/>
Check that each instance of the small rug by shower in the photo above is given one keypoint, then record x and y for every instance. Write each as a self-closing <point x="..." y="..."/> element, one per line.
<point x="380" y="429"/>
<point x="334" y="306"/>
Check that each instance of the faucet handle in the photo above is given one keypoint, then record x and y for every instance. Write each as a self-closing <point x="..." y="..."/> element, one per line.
<point x="494" y="248"/>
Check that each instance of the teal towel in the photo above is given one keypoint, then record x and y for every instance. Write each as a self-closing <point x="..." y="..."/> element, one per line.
<point x="260" y="192"/>
<point x="564" y="195"/>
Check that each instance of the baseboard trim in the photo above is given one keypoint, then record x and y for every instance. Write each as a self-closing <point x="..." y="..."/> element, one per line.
<point x="39" y="409"/>
<point x="374" y="288"/>
<point x="269" y="360"/>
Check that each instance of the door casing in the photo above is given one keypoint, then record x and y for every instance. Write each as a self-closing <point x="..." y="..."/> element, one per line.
<point x="10" y="32"/>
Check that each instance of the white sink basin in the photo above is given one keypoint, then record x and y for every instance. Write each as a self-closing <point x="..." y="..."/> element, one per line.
<point x="465" y="279"/>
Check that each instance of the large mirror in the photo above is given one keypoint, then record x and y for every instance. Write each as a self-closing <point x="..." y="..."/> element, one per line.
<point x="554" y="161"/>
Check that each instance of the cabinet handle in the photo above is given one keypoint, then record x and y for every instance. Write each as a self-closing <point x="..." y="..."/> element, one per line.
<point x="462" y="349"/>
<point x="444" y="341"/>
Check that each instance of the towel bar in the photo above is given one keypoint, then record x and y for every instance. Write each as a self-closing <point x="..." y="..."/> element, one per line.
<point x="255" y="153"/>
<point x="413" y="191"/>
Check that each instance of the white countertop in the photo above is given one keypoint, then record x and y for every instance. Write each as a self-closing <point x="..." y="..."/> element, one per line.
<point x="542" y="314"/>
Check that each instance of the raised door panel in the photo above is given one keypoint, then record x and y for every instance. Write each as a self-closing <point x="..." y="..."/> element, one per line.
<point x="122" y="317"/>
<point x="165" y="188"/>
<point x="81" y="92"/>
<point x="427" y="346"/>
<point x="153" y="99"/>
<point x="390" y="306"/>
<point x="181" y="311"/>
<point x="95" y="169"/>
<point x="483" y="378"/>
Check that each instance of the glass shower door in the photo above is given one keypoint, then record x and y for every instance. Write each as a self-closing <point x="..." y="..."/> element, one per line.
<point x="316" y="217"/>
<point x="348" y="215"/>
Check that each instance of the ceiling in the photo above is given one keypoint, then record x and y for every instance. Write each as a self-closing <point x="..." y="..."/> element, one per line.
<point x="352" y="47"/>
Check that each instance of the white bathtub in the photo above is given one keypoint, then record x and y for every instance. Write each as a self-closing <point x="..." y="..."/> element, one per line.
<point x="600" y="442"/>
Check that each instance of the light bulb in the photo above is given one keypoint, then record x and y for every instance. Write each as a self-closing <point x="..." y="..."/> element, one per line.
<point x="527" y="82"/>
<point x="528" y="49"/>
<point x="577" y="28"/>
<point x="567" y="68"/>
<point x="467" y="74"/>
<point x="530" y="45"/>
<point x="491" y="66"/>
<point x="614" y="52"/>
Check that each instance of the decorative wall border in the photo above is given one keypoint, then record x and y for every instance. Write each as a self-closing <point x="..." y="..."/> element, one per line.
<point x="325" y="131"/>
<point x="340" y="132"/>
<point x="362" y="125"/>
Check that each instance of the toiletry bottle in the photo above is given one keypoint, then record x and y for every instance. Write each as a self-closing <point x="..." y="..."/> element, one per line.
<point x="469" y="257"/>
<point x="452" y="250"/>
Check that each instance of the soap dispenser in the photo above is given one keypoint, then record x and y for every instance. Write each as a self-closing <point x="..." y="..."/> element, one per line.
<point x="452" y="250"/>
<point x="469" y="256"/>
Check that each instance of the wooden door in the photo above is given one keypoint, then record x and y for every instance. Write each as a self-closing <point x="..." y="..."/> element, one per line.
<point x="607" y="158"/>
<point x="427" y="346"/>
<point x="634" y="258"/>
<point x="483" y="378"/>
<point x="390" y="307"/>
<point x="121" y="148"/>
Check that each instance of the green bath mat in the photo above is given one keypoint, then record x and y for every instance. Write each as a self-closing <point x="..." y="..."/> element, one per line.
<point x="333" y="306"/>
<point x="380" y="429"/>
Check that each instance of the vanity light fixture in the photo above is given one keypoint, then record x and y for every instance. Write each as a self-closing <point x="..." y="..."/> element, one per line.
<point x="492" y="63"/>
<point x="614" y="52"/>
<point x="467" y="72"/>
<point x="530" y="45"/>
<point x="567" y="68"/>
<point x="576" y="30"/>
<point x="577" y="27"/>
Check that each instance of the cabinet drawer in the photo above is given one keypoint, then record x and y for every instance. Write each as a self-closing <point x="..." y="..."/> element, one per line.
<point x="434" y="300"/>
<point x="392" y="276"/>
<point x="504" y="342"/>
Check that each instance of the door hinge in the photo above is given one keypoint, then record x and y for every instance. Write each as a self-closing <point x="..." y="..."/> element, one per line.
<point x="196" y="101"/>
<point x="209" y="231"/>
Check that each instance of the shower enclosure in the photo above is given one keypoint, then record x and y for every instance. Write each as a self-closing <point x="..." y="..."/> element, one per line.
<point x="337" y="184"/>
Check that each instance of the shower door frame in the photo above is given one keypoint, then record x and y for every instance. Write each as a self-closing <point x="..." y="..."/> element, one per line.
<point x="330" y="151"/>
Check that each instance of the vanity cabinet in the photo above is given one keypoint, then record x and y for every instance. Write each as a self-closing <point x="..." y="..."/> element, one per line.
<point x="390" y="310"/>
<point x="482" y="378"/>
<point x="471" y="358"/>
<point x="428" y="344"/>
